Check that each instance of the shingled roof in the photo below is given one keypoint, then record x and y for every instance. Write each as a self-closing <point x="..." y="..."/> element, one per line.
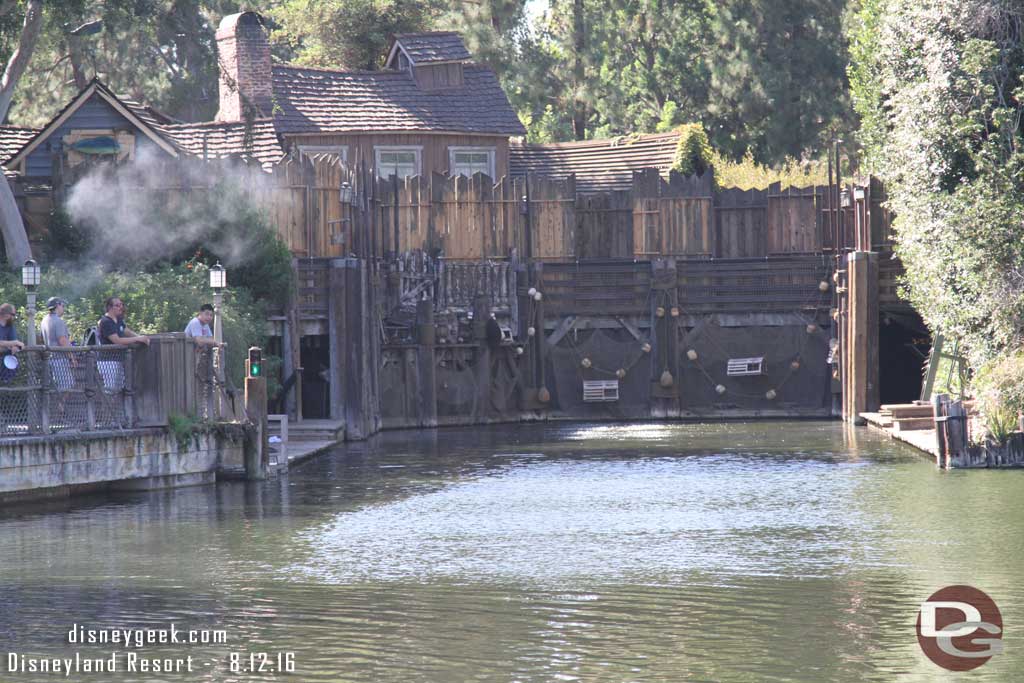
<point x="13" y="138"/>
<point x="599" y="165"/>
<point x="322" y="101"/>
<point x="219" y="140"/>
<point x="438" y="46"/>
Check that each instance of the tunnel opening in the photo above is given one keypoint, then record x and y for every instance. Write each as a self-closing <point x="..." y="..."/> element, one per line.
<point x="314" y="351"/>
<point x="903" y="346"/>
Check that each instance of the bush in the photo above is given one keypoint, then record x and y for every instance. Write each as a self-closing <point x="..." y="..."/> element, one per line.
<point x="747" y="174"/>
<point x="693" y="151"/>
<point x="163" y="300"/>
<point x="999" y="387"/>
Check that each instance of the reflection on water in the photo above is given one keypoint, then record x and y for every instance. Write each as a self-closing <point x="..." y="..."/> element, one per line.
<point x="640" y="552"/>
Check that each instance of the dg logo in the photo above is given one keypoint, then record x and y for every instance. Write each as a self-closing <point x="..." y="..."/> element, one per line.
<point x="960" y="628"/>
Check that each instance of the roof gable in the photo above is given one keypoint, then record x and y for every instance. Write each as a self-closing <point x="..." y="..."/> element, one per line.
<point x="429" y="48"/>
<point x="132" y="113"/>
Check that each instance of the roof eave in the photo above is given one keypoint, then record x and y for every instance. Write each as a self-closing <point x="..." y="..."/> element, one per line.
<point x="96" y="86"/>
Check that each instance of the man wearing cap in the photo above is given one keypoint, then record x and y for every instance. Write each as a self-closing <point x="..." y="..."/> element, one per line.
<point x="55" y="333"/>
<point x="55" y="330"/>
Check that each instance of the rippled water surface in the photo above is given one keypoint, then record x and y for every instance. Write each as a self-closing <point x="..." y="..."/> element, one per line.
<point x="641" y="552"/>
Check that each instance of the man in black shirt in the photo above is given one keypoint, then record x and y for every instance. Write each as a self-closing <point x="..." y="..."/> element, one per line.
<point x="112" y="329"/>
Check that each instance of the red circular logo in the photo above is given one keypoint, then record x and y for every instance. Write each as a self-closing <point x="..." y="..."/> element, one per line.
<point x="960" y="628"/>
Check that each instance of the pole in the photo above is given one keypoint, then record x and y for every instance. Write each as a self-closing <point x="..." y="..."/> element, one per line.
<point x="30" y="324"/>
<point x="257" y="451"/>
<point x="218" y="325"/>
<point x="528" y="241"/>
<point x="394" y="187"/>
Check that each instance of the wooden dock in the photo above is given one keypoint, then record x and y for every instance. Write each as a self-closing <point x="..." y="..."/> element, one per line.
<point x="300" y="441"/>
<point x="921" y="439"/>
<point x="911" y="423"/>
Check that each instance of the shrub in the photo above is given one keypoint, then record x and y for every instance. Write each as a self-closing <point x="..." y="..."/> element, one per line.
<point x="747" y="174"/>
<point x="693" y="151"/>
<point x="999" y="387"/>
<point x="163" y="300"/>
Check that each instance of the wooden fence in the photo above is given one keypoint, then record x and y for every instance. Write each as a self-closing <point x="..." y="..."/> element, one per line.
<point x="544" y="218"/>
<point x="324" y="208"/>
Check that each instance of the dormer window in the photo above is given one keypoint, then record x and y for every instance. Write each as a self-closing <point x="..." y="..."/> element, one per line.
<point x="435" y="59"/>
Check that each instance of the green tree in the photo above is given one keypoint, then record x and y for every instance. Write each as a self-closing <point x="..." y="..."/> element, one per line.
<point x="777" y="76"/>
<point x="939" y="90"/>
<point x="352" y="34"/>
<point x="650" y="57"/>
<point x="160" y="52"/>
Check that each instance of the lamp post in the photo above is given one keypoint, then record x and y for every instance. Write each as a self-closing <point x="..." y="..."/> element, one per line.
<point x="30" y="277"/>
<point x="218" y="281"/>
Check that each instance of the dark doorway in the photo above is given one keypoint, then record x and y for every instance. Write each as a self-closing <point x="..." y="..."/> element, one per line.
<point x="903" y="344"/>
<point x="316" y="389"/>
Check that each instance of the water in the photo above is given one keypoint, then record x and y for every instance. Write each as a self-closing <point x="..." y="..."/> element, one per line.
<point x="642" y="552"/>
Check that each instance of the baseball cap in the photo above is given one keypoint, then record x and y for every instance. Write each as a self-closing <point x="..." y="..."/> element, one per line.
<point x="54" y="301"/>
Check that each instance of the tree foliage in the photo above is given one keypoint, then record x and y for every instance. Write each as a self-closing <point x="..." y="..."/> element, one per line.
<point x="160" y="300"/>
<point x="938" y="88"/>
<point x="353" y="34"/>
<point x="693" y="152"/>
<point x="778" y="84"/>
<point x="161" y="52"/>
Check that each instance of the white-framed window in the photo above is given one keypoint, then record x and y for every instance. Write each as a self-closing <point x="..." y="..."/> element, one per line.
<point x="400" y="161"/>
<point x="315" y="150"/>
<point x="469" y="160"/>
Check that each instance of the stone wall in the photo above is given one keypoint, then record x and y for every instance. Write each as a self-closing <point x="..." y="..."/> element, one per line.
<point x="140" y="459"/>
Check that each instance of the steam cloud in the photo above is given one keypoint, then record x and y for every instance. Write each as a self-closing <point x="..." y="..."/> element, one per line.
<point x="153" y="208"/>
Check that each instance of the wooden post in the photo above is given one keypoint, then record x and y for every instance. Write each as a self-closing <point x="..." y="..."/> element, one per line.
<point x="939" y="403"/>
<point x="481" y="313"/>
<point x="426" y="364"/>
<point x="672" y="316"/>
<point x="934" y="360"/>
<point x="359" y="351"/>
<point x="337" y="342"/>
<point x="292" y="350"/>
<point x="528" y="220"/>
<point x="956" y="430"/>
<point x="861" y="394"/>
<point x="539" y="339"/>
<point x="257" y="451"/>
<point x="394" y="208"/>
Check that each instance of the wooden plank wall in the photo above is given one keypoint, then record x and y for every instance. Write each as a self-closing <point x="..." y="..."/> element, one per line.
<point x="476" y="218"/>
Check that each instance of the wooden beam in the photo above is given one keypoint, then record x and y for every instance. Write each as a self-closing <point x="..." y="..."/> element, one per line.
<point x="563" y="329"/>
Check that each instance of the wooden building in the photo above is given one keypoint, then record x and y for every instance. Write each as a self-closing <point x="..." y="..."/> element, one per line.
<point x="431" y="110"/>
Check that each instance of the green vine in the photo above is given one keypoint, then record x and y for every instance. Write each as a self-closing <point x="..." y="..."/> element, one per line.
<point x="184" y="428"/>
<point x="187" y="428"/>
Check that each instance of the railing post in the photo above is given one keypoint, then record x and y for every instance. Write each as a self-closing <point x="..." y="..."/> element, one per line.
<point x="90" y="389"/>
<point x="129" y="387"/>
<point x="44" y="392"/>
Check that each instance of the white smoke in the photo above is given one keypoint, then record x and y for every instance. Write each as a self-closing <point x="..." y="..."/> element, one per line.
<point x="153" y="208"/>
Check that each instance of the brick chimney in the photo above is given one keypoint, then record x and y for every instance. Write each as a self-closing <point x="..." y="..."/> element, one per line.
<point x="243" y="55"/>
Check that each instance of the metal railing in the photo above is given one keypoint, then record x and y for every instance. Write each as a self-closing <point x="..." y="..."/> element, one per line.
<point x="77" y="388"/>
<point x="47" y="390"/>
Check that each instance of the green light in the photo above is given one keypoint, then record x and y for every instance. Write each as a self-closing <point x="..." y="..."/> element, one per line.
<point x="255" y="361"/>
